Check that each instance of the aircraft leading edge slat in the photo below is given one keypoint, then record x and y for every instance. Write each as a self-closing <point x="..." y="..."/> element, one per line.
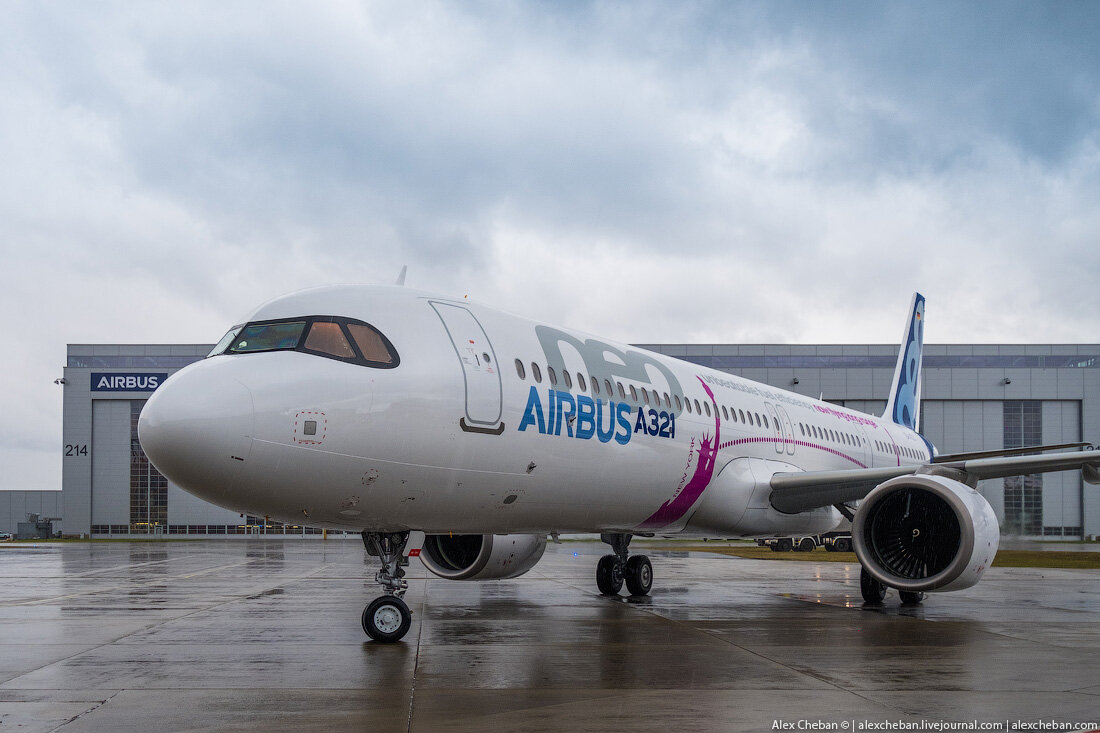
<point x="468" y="434"/>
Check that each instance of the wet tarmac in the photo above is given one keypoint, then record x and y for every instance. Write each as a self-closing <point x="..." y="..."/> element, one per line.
<point x="248" y="635"/>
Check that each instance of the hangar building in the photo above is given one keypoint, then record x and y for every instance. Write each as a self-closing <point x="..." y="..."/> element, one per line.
<point x="975" y="397"/>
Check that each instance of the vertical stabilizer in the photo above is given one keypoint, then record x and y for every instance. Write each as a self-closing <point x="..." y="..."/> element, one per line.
<point x="903" y="406"/>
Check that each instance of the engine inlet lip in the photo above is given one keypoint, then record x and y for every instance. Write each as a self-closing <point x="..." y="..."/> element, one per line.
<point x="937" y="486"/>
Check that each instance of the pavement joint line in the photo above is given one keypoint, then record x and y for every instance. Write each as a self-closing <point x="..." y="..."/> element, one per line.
<point x="92" y="709"/>
<point x="416" y="656"/>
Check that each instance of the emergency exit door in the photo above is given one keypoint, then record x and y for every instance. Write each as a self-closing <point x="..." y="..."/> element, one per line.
<point x="484" y="393"/>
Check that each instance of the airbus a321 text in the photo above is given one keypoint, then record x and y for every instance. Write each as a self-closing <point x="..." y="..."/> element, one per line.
<point x="465" y="435"/>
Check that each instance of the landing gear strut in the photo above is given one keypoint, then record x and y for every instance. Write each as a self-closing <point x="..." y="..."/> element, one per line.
<point x="613" y="570"/>
<point x="387" y="618"/>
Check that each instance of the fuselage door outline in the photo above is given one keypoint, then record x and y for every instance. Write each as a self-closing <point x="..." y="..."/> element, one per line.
<point x="483" y="387"/>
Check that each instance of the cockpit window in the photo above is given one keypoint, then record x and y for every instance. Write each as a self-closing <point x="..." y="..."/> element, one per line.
<point x="268" y="337"/>
<point x="332" y="337"/>
<point x="226" y="339"/>
<point x="328" y="338"/>
<point x="371" y="343"/>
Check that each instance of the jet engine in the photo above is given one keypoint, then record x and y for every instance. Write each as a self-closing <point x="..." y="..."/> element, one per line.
<point x="925" y="533"/>
<point x="481" y="556"/>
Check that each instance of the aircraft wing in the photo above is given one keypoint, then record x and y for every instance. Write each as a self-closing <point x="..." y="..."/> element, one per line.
<point x="797" y="492"/>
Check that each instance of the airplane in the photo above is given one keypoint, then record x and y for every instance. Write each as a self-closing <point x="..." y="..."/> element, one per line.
<point x="467" y="436"/>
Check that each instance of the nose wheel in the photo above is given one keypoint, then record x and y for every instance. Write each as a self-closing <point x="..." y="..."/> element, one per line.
<point x="387" y="618"/>
<point x="614" y="570"/>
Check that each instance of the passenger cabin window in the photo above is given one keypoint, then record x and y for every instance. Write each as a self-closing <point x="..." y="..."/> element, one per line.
<point x="645" y="395"/>
<point x="679" y="406"/>
<point x="567" y="379"/>
<point x="595" y="386"/>
<point x="580" y="383"/>
<point x="536" y="372"/>
<point x="633" y="394"/>
<point x="553" y="376"/>
<point x="344" y="339"/>
<point x="610" y="392"/>
<point x="519" y="369"/>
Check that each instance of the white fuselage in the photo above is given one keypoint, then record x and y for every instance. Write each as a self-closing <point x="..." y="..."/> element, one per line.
<point x="449" y="441"/>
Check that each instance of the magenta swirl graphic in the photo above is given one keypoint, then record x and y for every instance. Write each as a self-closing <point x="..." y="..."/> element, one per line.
<point x="676" y="507"/>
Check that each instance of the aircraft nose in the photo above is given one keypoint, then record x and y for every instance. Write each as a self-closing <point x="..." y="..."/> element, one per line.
<point x="197" y="429"/>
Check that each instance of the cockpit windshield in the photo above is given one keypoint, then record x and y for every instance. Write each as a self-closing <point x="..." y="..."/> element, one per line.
<point x="268" y="337"/>
<point x="224" y="343"/>
<point x="333" y="337"/>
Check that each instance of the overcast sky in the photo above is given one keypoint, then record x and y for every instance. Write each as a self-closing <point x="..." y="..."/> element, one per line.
<point x="652" y="172"/>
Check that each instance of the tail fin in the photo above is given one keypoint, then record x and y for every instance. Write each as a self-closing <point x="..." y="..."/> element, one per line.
<point x="903" y="406"/>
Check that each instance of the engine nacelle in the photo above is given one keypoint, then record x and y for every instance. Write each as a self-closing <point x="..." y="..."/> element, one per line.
<point x="481" y="556"/>
<point x="925" y="533"/>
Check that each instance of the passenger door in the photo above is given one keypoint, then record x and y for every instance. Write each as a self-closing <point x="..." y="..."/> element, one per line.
<point x="484" y="391"/>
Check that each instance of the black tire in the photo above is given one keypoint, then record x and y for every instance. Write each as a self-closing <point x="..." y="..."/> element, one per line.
<point x="387" y="619"/>
<point x="806" y="544"/>
<point x="639" y="575"/>
<point x="783" y="545"/>
<point x="911" y="597"/>
<point x="873" y="591"/>
<point x="609" y="575"/>
<point x="844" y="544"/>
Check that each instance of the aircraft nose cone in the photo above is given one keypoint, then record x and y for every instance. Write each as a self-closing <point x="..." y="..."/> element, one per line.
<point x="197" y="429"/>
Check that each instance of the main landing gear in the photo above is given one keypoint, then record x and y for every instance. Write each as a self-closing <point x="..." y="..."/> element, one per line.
<point x="612" y="570"/>
<point x="387" y="618"/>
<point x="874" y="592"/>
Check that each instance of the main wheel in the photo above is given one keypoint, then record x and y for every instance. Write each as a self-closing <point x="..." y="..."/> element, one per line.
<point x="386" y="619"/>
<point x="783" y="545"/>
<point x="911" y="597"/>
<point x="639" y="575"/>
<point x="609" y="575"/>
<point x="873" y="591"/>
<point x="806" y="545"/>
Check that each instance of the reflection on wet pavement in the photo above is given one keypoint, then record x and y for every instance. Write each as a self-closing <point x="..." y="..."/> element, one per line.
<point x="217" y="635"/>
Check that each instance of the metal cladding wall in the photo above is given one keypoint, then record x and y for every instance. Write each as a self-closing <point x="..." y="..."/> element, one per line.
<point x="16" y="505"/>
<point x="967" y="392"/>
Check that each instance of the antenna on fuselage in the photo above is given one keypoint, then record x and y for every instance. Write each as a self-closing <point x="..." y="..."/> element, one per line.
<point x="401" y="277"/>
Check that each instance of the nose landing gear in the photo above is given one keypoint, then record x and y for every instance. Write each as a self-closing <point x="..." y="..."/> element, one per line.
<point x="613" y="570"/>
<point x="387" y="618"/>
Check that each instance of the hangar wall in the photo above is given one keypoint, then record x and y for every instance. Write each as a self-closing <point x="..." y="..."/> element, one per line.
<point x="16" y="505"/>
<point x="975" y="397"/>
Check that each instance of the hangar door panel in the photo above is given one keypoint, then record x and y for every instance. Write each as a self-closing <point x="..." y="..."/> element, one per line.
<point x="111" y="462"/>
